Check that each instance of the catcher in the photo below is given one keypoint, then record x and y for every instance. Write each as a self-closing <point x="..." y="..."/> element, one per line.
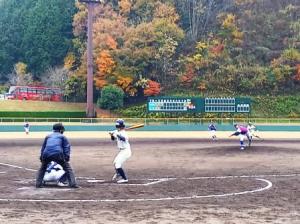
<point x="124" y="151"/>
<point x="55" y="173"/>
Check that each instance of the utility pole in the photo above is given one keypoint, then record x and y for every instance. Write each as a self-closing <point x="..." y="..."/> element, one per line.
<point x="90" y="76"/>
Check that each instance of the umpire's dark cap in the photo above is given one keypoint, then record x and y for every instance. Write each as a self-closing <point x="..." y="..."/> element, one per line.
<point x="58" y="127"/>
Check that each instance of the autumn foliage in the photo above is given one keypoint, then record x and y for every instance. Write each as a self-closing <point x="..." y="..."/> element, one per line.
<point x="126" y="84"/>
<point x="153" y="88"/>
<point x="297" y="76"/>
<point x="188" y="78"/>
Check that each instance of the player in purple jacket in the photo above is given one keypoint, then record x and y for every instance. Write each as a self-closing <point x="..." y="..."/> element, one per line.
<point x="242" y="132"/>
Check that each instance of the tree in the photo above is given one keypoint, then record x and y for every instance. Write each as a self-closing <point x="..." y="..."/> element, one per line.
<point x="48" y="34"/>
<point x="56" y="77"/>
<point x="36" y="32"/>
<point x="111" y="98"/>
<point x="152" y="89"/>
<point x="20" y="76"/>
<point x="75" y="89"/>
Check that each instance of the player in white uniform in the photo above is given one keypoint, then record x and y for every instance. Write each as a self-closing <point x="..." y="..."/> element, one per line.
<point x="124" y="153"/>
<point x="212" y="129"/>
<point x="252" y="129"/>
<point x="55" y="173"/>
<point x="26" y="128"/>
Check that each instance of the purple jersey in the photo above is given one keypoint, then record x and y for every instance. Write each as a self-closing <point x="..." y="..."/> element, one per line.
<point x="243" y="130"/>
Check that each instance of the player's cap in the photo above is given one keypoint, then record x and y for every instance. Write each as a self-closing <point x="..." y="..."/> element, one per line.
<point x="58" y="127"/>
<point x="120" y="123"/>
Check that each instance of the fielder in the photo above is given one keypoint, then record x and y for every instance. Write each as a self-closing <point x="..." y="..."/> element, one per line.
<point x="252" y="129"/>
<point x="26" y="128"/>
<point x="124" y="151"/>
<point x="242" y="132"/>
<point x="212" y="129"/>
<point x="55" y="173"/>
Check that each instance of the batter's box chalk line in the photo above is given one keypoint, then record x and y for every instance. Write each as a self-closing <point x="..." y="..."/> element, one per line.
<point x="148" y="181"/>
<point x="267" y="185"/>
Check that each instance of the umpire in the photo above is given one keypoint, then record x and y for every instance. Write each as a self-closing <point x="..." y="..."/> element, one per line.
<point x="56" y="147"/>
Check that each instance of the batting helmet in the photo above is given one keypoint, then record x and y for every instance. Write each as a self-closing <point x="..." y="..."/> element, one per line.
<point x="58" y="127"/>
<point x="120" y="123"/>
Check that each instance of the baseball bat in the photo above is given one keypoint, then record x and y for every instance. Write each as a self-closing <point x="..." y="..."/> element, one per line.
<point x="135" y="126"/>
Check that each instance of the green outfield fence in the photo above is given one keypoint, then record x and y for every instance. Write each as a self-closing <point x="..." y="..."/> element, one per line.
<point x="155" y="121"/>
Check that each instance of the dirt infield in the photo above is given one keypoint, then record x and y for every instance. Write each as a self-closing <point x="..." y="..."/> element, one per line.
<point x="149" y="134"/>
<point x="170" y="181"/>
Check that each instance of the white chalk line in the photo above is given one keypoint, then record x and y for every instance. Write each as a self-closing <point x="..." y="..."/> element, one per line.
<point x="159" y="180"/>
<point x="268" y="186"/>
<point x="18" y="167"/>
<point x="152" y="182"/>
<point x="170" y="178"/>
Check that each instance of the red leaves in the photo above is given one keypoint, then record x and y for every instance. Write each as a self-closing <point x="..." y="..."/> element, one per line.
<point x="297" y="76"/>
<point x="152" y="89"/>
<point x="188" y="77"/>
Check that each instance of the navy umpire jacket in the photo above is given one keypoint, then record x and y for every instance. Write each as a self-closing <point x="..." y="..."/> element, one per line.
<point x="56" y="146"/>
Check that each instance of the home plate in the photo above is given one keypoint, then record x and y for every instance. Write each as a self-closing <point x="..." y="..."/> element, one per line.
<point x="96" y="181"/>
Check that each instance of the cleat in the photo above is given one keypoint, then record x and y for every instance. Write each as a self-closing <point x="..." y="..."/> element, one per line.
<point x="122" y="181"/>
<point x="242" y="148"/>
<point x="61" y="184"/>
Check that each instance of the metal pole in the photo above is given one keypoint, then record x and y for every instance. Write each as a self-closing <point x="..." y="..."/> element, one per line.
<point x="90" y="77"/>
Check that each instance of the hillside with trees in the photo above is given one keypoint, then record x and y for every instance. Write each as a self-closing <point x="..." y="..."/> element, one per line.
<point x="152" y="47"/>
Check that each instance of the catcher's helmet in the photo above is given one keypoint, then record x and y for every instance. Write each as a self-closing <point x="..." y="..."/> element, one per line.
<point x="58" y="127"/>
<point x="120" y="123"/>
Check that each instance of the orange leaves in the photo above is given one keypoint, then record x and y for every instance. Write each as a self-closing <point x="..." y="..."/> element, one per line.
<point x="125" y="6"/>
<point x="188" y="77"/>
<point x="105" y="63"/>
<point x="202" y="86"/>
<point x="126" y="84"/>
<point x="297" y="76"/>
<point x="69" y="61"/>
<point x="152" y="89"/>
<point x="111" y="43"/>
<point x="100" y="83"/>
<point x="218" y="49"/>
<point x="108" y="26"/>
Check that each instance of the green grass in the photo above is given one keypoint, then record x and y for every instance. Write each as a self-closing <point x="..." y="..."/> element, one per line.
<point x="19" y="105"/>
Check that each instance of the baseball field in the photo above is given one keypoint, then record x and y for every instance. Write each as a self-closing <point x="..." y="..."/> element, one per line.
<point x="176" y="177"/>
